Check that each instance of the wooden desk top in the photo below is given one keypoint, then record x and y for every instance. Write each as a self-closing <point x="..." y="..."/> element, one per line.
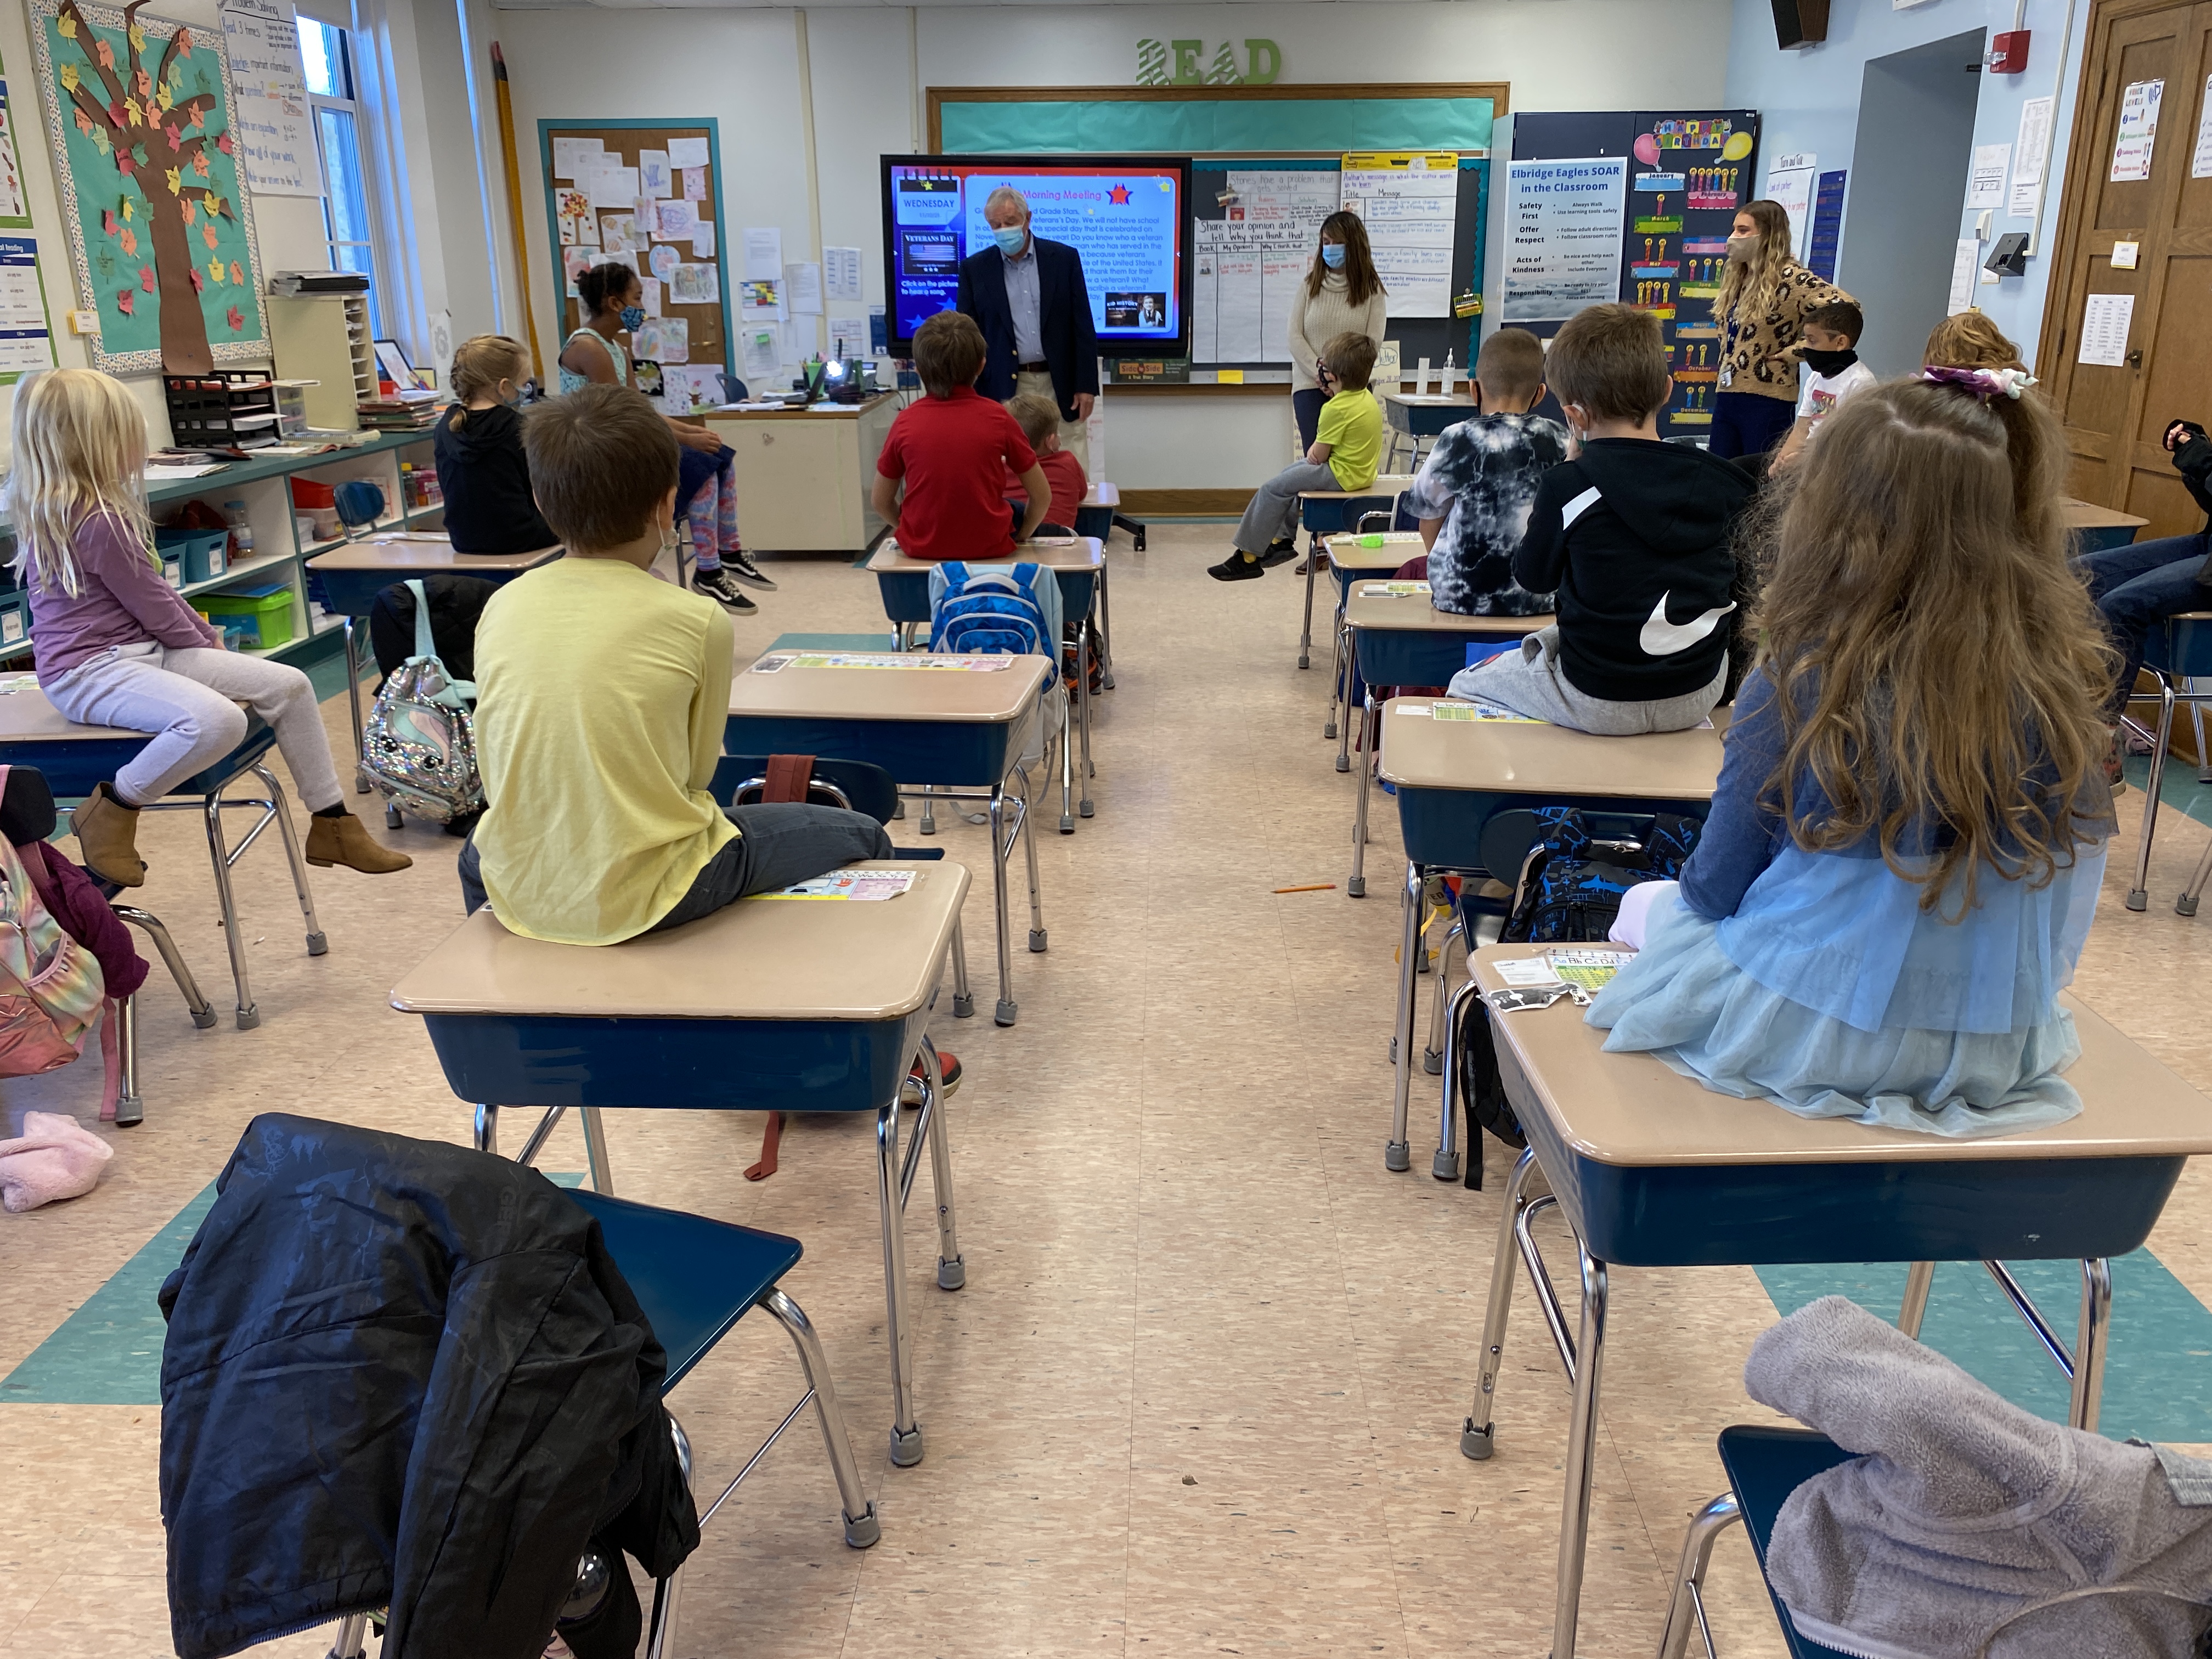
<point x="1422" y="753"/>
<point x="996" y="697"/>
<point x="1102" y="494"/>
<point x="2087" y="516"/>
<point x="1413" y="613"/>
<point x="1345" y="553"/>
<point x="1385" y="483"/>
<point x="1631" y="1109"/>
<point x="25" y="716"/>
<point x="1085" y="553"/>
<point x="811" y="412"/>
<point x="417" y="554"/>
<point x="826" y="959"/>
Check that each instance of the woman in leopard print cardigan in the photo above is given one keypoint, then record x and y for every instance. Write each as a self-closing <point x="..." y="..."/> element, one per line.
<point x="1761" y="311"/>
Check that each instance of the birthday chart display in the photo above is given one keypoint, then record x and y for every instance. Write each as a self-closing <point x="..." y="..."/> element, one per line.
<point x="1687" y="176"/>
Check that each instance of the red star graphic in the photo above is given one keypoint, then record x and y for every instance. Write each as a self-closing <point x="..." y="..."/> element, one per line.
<point x="1119" y="195"/>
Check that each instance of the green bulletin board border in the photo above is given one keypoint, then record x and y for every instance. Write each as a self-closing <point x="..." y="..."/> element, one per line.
<point x="1205" y="121"/>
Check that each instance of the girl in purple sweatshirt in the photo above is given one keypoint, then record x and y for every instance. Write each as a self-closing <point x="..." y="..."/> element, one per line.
<point x="117" y="646"/>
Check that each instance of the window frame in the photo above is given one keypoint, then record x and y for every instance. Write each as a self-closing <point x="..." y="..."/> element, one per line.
<point x="350" y="107"/>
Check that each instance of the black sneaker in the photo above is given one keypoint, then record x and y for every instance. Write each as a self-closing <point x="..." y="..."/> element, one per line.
<point x="1279" y="553"/>
<point x="717" y="586"/>
<point x="1237" y="568"/>
<point x="738" y="563"/>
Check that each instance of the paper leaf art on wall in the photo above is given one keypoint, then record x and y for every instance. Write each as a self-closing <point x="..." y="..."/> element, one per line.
<point x="161" y="231"/>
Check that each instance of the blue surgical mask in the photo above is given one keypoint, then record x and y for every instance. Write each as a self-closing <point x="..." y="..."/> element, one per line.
<point x="1332" y="255"/>
<point x="633" y="318"/>
<point x="1011" y="239"/>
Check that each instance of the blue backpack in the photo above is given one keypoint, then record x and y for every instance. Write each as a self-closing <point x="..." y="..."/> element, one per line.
<point x="993" y="611"/>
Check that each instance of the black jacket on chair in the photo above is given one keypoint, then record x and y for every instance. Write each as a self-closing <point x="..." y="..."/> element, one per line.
<point x="405" y="1373"/>
<point x="1070" y="340"/>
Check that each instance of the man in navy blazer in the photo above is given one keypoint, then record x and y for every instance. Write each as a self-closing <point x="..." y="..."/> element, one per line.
<point x="1029" y="297"/>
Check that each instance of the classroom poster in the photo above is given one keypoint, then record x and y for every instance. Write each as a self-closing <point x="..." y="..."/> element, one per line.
<point x="2138" y="135"/>
<point x="1826" y="242"/>
<point x="1409" y="203"/>
<point x="1248" y="264"/>
<point x="276" y="143"/>
<point x="138" y="116"/>
<point x="1563" y="225"/>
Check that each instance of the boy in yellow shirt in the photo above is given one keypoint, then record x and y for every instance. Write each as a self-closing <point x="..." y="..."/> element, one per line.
<point x="1347" y="446"/>
<point x="602" y="692"/>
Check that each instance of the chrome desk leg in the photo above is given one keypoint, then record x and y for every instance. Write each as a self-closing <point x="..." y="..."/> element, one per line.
<point x="906" y="1433"/>
<point x="2139" y="893"/>
<point x="1037" y="941"/>
<point x="2091" y="1338"/>
<point x="188" y="985"/>
<point x="1082" y="643"/>
<point x="1446" y="1166"/>
<point x="1397" y="1153"/>
<point x="1686" y="1607"/>
<point x="1477" y="1435"/>
<point x="660" y="1630"/>
<point x="219" y="856"/>
<point x="352" y="1640"/>
<point x="928" y="825"/>
<point x="129" y="1106"/>
<point x="1105" y="632"/>
<point x="1305" y="637"/>
<point x="352" y="704"/>
<point x="963" y="999"/>
<point x="1919" y="1278"/>
<point x="318" y="943"/>
<point x="1582" y="1454"/>
<point x="861" y="1528"/>
<point x="487" y="1129"/>
<point x="595" y="1152"/>
<point x="1000" y="847"/>
<point x="1066" y="777"/>
<point x="1358" y="885"/>
<point x="1433" y="1056"/>
<point x="1351" y="671"/>
<point x="2187" y="904"/>
<point x="952" y="1269"/>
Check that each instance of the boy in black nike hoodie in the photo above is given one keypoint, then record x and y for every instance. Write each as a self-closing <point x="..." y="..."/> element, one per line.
<point x="1633" y="532"/>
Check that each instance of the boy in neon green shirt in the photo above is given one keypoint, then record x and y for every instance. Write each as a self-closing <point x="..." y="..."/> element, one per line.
<point x="1347" y="446"/>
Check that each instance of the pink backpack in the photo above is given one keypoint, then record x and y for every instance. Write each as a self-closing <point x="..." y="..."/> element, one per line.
<point x="51" y="989"/>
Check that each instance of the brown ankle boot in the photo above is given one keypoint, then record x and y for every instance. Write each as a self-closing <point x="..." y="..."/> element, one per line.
<point x="346" y="841"/>
<point x="107" y="837"/>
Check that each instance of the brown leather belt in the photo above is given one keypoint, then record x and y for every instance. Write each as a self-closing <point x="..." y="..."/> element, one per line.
<point x="1039" y="367"/>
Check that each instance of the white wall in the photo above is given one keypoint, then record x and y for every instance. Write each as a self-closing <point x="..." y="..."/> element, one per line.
<point x="1809" y="100"/>
<point x="741" y="65"/>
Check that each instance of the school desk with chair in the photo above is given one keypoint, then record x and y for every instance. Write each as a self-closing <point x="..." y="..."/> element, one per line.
<point x="1454" y="777"/>
<point x="1079" y="570"/>
<point x="958" y="725"/>
<point x="1416" y="419"/>
<point x="2179" y="653"/>
<point x="1353" y="557"/>
<point x="353" y="575"/>
<point x="773" y="1005"/>
<point x="1652" y="1170"/>
<point x="1326" y="513"/>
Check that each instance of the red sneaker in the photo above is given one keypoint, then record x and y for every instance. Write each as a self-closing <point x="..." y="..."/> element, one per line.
<point x="948" y="1073"/>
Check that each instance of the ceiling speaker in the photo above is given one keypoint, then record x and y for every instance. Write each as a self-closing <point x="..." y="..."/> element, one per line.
<point x="1800" y="23"/>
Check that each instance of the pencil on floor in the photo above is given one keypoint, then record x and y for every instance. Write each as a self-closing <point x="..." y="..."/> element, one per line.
<point x="1317" y="887"/>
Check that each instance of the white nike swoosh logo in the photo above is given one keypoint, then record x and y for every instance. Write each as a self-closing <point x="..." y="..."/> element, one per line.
<point x="1662" y="638"/>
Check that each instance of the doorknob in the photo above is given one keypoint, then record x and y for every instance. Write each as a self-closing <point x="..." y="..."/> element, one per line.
<point x="2135" y="358"/>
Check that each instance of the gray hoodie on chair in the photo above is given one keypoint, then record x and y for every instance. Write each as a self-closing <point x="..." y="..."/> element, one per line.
<point x="1971" y="1527"/>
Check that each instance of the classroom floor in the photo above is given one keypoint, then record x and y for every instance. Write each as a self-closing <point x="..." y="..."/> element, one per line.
<point x="1202" y="1392"/>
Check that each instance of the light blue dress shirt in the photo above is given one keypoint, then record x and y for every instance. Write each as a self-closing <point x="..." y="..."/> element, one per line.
<point x="1024" y="299"/>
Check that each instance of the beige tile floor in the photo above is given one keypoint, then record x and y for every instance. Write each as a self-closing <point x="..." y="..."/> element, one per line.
<point x="1202" y="1392"/>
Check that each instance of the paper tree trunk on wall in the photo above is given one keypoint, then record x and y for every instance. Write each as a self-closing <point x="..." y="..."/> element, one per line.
<point x="159" y="226"/>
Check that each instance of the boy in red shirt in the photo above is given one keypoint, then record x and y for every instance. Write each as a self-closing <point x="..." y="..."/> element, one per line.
<point x="1039" y="421"/>
<point x="953" y="448"/>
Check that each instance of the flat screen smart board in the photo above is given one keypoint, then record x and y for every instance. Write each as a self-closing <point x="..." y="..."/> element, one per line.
<point x="1129" y="218"/>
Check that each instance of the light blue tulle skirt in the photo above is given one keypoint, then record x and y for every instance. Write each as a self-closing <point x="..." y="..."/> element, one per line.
<point x="1683" y="1000"/>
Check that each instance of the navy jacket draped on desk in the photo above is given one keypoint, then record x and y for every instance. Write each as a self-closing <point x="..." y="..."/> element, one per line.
<point x="1070" y="343"/>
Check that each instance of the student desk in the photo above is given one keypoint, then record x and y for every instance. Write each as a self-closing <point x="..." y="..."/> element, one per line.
<point x="73" y="758"/>
<point x="2097" y="528"/>
<point x="803" y="476"/>
<point x="1414" y="415"/>
<point x="1402" y="638"/>
<point x="770" y="1006"/>
<point x="1349" y="561"/>
<point x="353" y="575"/>
<point x="1081" y="570"/>
<point x="922" y="721"/>
<point x="1454" y="776"/>
<point x="1653" y="1170"/>
<point x="1321" y="514"/>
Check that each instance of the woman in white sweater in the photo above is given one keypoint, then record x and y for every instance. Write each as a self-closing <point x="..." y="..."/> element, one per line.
<point x="1341" y="294"/>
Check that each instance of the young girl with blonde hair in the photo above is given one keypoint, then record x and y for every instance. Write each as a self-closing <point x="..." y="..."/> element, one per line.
<point x="1906" y="844"/>
<point x="1760" y="310"/>
<point x="481" y="470"/>
<point x="118" y="646"/>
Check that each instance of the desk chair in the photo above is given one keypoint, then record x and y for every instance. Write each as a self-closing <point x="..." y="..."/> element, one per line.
<point x="2180" y="652"/>
<point x="1326" y="513"/>
<point x="696" y="1278"/>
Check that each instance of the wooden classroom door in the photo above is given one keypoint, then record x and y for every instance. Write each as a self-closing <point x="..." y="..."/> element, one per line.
<point x="2116" y="414"/>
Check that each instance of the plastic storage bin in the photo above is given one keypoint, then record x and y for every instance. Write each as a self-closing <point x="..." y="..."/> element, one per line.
<point x="202" y="552"/>
<point x="265" y="608"/>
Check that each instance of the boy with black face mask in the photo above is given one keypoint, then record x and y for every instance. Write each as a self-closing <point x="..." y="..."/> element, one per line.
<point x="1833" y="370"/>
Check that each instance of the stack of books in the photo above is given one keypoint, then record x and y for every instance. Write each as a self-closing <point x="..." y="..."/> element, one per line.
<point x="317" y="282"/>
<point x="402" y="411"/>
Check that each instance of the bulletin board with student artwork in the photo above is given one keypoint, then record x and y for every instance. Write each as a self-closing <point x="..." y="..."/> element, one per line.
<point x="160" y="226"/>
<point x="1639" y="203"/>
<point x="646" y="194"/>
